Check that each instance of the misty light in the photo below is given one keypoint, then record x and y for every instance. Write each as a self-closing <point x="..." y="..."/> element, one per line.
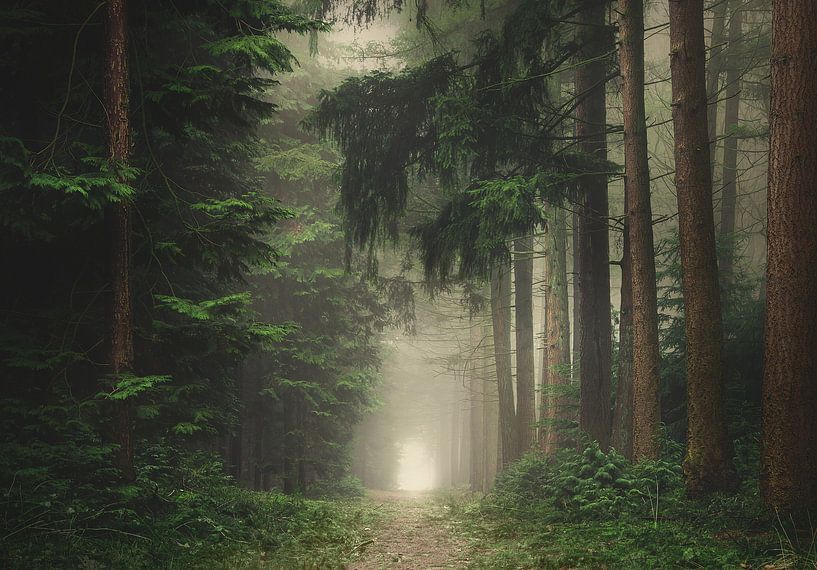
<point x="416" y="470"/>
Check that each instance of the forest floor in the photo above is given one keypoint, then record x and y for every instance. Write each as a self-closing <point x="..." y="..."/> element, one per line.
<point x="416" y="532"/>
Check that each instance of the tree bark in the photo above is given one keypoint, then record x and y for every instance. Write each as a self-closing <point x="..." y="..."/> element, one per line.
<point x="646" y="416"/>
<point x="714" y="69"/>
<point x="476" y="417"/>
<point x="708" y="463"/>
<point x="525" y="384"/>
<point x="556" y="367"/>
<point x="789" y="451"/>
<point x="730" y="151"/>
<point x="622" y="436"/>
<point x="501" y="321"/>
<point x="491" y="415"/>
<point x="120" y="319"/>
<point x="595" y="349"/>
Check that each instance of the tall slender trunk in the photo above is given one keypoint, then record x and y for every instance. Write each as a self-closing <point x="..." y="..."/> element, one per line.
<point x="120" y="318"/>
<point x="730" y="151"/>
<point x="622" y="436"/>
<point x="557" y="411"/>
<point x="646" y="416"/>
<point x="595" y="348"/>
<point x="714" y="69"/>
<point x="708" y="463"/>
<point x="476" y="416"/>
<point x="525" y="384"/>
<point x="789" y="450"/>
<point x="491" y="415"/>
<point x="501" y="320"/>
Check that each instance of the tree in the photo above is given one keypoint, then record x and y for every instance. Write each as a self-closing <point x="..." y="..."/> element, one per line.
<point x="556" y="411"/>
<point x="120" y="319"/>
<point x="730" y="149"/>
<point x="525" y="384"/>
<point x="592" y="253"/>
<point x="646" y="359"/>
<point x="789" y="445"/>
<point x="708" y="462"/>
<point x="501" y="326"/>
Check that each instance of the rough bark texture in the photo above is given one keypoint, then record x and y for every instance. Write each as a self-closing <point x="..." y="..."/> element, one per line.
<point x="249" y="474"/>
<point x="120" y="319"/>
<point x="646" y="360"/>
<point x="501" y="321"/>
<point x="476" y="415"/>
<point x="789" y="456"/>
<point x="714" y="68"/>
<point x="730" y="151"/>
<point x="556" y="367"/>
<point x="525" y="383"/>
<point x="595" y="342"/>
<point x="708" y="462"/>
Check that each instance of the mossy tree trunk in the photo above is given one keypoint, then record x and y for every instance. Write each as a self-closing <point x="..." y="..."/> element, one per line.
<point x="708" y="462"/>
<point x="525" y="383"/>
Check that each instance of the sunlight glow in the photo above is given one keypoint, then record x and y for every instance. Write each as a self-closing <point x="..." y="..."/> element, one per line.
<point x="416" y="471"/>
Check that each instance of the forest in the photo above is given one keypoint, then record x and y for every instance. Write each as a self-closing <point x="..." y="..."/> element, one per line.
<point x="485" y="284"/>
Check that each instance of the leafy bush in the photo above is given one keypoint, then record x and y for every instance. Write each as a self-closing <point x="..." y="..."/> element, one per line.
<point x="590" y="485"/>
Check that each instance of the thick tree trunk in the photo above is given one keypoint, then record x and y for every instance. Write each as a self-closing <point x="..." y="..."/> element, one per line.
<point x="525" y="383"/>
<point x="646" y="416"/>
<point x="476" y="416"/>
<point x="730" y="151"/>
<point x="595" y="348"/>
<point x="501" y="320"/>
<point x="557" y="411"/>
<point x="708" y="463"/>
<point x="789" y="456"/>
<point x="120" y="319"/>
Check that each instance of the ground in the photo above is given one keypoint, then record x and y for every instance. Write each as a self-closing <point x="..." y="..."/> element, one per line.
<point x="415" y="534"/>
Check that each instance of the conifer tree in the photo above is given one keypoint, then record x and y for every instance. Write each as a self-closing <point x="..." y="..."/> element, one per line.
<point x="708" y="462"/>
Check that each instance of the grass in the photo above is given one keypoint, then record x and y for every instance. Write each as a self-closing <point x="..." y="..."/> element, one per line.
<point x="257" y="531"/>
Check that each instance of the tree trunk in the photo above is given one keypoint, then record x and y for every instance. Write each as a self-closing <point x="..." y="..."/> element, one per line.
<point x="491" y="416"/>
<point x="789" y="456"/>
<point x="120" y="319"/>
<point x="525" y="384"/>
<point x="714" y="68"/>
<point x="622" y="436"/>
<point x="501" y="320"/>
<point x="595" y="349"/>
<point x="476" y="416"/>
<point x="708" y="463"/>
<point x="730" y="151"/>
<point x="556" y="368"/>
<point x="646" y="416"/>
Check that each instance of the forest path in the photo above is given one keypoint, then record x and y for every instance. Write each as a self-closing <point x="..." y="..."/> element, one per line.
<point x="415" y="535"/>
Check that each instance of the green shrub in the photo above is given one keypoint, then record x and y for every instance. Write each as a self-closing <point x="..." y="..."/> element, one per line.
<point x="345" y="488"/>
<point x="591" y="485"/>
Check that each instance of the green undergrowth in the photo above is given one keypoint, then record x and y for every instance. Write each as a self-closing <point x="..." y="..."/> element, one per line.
<point x="597" y="510"/>
<point x="182" y="512"/>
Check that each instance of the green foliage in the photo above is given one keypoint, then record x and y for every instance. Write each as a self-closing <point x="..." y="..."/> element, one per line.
<point x="181" y="510"/>
<point x="592" y="509"/>
<point x="589" y="485"/>
<point x="346" y="488"/>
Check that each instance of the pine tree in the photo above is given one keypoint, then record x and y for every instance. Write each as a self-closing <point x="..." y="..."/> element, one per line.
<point x="789" y="446"/>
<point x="708" y="462"/>
<point x="646" y="361"/>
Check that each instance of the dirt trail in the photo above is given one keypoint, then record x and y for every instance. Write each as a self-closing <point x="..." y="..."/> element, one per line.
<point x="413" y="537"/>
